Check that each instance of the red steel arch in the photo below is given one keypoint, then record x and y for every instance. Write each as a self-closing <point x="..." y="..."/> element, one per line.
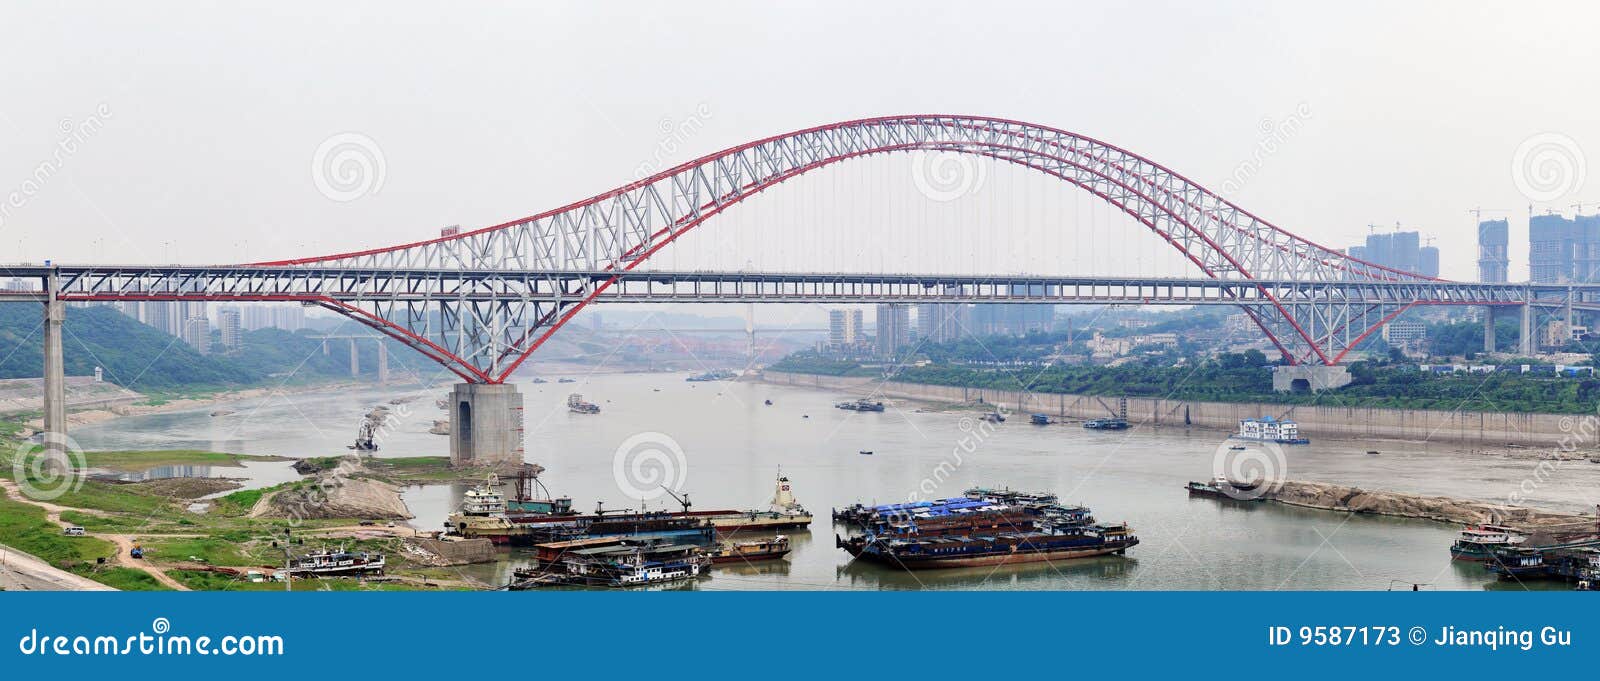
<point x="622" y="228"/>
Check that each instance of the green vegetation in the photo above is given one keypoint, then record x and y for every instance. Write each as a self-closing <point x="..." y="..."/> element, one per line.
<point x="26" y="528"/>
<point x="142" y="358"/>
<point x="1246" y="377"/>
<point x="121" y="578"/>
<point x="236" y="503"/>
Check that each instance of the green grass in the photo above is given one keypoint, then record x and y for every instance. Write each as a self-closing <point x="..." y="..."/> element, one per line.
<point x="210" y="550"/>
<point x="122" y="578"/>
<point x="237" y="503"/>
<point x="25" y="528"/>
<point x="200" y="580"/>
<point x="104" y="496"/>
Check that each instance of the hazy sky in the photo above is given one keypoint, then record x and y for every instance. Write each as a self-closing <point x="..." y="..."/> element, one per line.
<point x="207" y="119"/>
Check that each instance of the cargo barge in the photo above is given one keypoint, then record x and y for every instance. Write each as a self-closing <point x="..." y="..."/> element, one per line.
<point x="527" y="521"/>
<point x="983" y="527"/>
<point x="860" y="405"/>
<point x="1003" y="548"/>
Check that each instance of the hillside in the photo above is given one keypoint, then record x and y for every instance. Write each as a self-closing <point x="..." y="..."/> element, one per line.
<point x="141" y="358"/>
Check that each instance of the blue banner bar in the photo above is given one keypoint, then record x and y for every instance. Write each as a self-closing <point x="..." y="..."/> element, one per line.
<point x="790" y="635"/>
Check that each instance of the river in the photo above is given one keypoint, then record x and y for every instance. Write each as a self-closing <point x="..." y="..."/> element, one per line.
<point x="733" y="445"/>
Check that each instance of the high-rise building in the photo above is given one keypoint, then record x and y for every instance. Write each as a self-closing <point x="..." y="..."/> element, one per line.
<point x="1396" y="250"/>
<point x="943" y="322"/>
<point x="1014" y="319"/>
<point x="1428" y="261"/>
<point x="1549" y="248"/>
<point x="845" y="327"/>
<point x="228" y="323"/>
<point x="1493" y="262"/>
<point x="197" y="333"/>
<point x="894" y="330"/>
<point x="159" y="316"/>
<point x="289" y="317"/>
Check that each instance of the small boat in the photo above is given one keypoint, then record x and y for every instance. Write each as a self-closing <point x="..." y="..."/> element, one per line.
<point x="1372" y="452"/>
<point x="805" y="416"/>
<point x="1106" y="424"/>
<point x="866" y="452"/>
<point x="768" y="402"/>
<point x="539" y="380"/>
<point x="994" y="417"/>
<point x="566" y="380"/>
<point x="576" y="405"/>
<point x="1236" y="448"/>
<point x="1039" y="419"/>
<point x="860" y="405"/>
<point x="750" y="551"/>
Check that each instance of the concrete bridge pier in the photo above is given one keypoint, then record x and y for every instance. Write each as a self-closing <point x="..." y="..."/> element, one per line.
<point x="486" y="425"/>
<point x="1302" y="378"/>
<point x="1488" y="329"/>
<point x="55" y="376"/>
<point x="1525" y="342"/>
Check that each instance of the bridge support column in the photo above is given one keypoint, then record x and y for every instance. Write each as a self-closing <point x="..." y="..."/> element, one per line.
<point x="1488" y="329"/>
<point x="55" y="377"/>
<point x="1525" y="343"/>
<point x="1309" y="378"/>
<point x="355" y="360"/>
<point x="383" y="362"/>
<point x="486" y="425"/>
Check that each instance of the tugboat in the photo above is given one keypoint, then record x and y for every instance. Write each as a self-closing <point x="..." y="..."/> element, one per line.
<point x="1477" y="543"/>
<point x="566" y="380"/>
<point x="576" y="405"/>
<point x="539" y="381"/>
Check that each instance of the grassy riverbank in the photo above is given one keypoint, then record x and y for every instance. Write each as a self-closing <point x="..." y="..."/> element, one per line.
<point x="180" y="543"/>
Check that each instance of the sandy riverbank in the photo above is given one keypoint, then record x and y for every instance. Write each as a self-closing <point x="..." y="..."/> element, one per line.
<point x="88" y="416"/>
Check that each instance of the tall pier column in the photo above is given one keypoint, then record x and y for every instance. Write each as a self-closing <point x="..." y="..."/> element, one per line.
<point x="355" y="360"/>
<point x="486" y="425"/>
<point x="1488" y="329"/>
<point x="55" y="375"/>
<point x="1526" y="342"/>
<point x="383" y="362"/>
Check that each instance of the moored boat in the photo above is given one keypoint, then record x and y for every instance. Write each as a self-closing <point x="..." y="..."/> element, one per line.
<point x="750" y="551"/>
<point x="1477" y="543"/>
<point x="1001" y="548"/>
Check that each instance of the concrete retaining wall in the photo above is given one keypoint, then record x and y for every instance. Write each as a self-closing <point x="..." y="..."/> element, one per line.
<point x="1534" y="430"/>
